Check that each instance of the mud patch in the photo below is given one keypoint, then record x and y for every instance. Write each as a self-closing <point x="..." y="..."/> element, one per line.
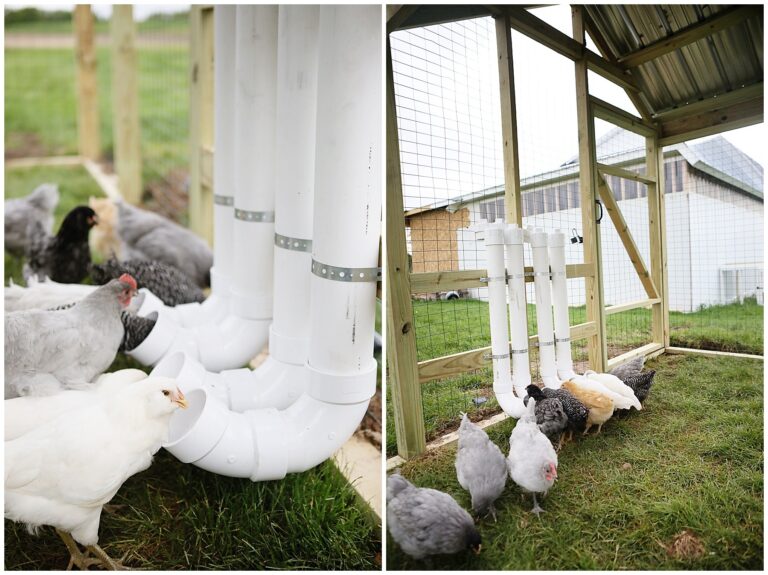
<point x="685" y="546"/>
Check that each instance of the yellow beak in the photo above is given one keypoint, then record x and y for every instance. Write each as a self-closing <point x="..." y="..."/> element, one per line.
<point x="180" y="399"/>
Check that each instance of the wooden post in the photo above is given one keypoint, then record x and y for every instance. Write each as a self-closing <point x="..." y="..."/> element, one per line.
<point x="512" y="193"/>
<point x="402" y="372"/>
<point x="125" y="104"/>
<point x="654" y="161"/>
<point x="89" y="142"/>
<point x="201" y="122"/>
<point x="596" y="345"/>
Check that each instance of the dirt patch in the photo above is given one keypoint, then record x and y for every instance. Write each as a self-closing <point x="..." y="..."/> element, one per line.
<point x="25" y="145"/>
<point x="685" y="546"/>
<point x="169" y="195"/>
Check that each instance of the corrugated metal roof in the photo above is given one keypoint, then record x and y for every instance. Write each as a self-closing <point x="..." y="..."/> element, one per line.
<point x="729" y="59"/>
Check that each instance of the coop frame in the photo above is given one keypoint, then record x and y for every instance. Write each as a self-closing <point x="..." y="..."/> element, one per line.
<point x="730" y="110"/>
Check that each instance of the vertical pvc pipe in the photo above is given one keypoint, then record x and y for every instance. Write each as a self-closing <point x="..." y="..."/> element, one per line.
<point x="560" y="305"/>
<point x="295" y="186"/>
<point x="497" y="307"/>
<point x="255" y="116"/>
<point x="518" y="309"/>
<point x="223" y="159"/>
<point x="547" y="365"/>
<point x="347" y="215"/>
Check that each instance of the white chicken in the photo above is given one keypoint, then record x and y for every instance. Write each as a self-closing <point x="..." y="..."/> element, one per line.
<point x="64" y="471"/>
<point x="532" y="461"/>
<point x="23" y="414"/>
<point x="46" y="351"/>
<point x="620" y="399"/>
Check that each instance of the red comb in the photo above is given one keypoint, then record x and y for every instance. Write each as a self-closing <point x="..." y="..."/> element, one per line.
<point x="128" y="279"/>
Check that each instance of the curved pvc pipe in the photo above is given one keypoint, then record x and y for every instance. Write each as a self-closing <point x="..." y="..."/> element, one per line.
<point x="518" y="309"/>
<point x="547" y="364"/>
<point x="556" y="244"/>
<point x="497" y="308"/>
<point x="267" y="443"/>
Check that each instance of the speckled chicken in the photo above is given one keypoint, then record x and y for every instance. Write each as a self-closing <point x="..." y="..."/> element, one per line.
<point x="641" y="384"/>
<point x="169" y="284"/>
<point x="480" y="467"/>
<point x="576" y="412"/>
<point x="426" y="522"/>
<point x="600" y="406"/>
<point x="20" y="213"/>
<point x="532" y="460"/>
<point x="150" y="236"/>
<point x="65" y="257"/>
<point x="46" y="351"/>
<point x="550" y="415"/>
<point x="137" y="328"/>
<point x="629" y="369"/>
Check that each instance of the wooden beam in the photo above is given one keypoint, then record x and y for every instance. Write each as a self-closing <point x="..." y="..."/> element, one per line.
<point x="536" y="29"/>
<point x="717" y="102"/>
<point x="713" y="122"/>
<point x="685" y="36"/>
<point x="403" y="373"/>
<point x="657" y="234"/>
<point x="512" y="192"/>
<point x="612" y="207"/>
<point x="595" y="306"/>
<point x="125" y="103"/>
<point x="611" y="71"/>
<point x="44" y="161"/>
<point x="433" y="282"/>
<point x="201" y="122"/>
<point x="648" y="351"/>
<point x="465" y="361"/>
<point x="621" y="118"/>
<point x="107" y="182"/>
<point x="644" y="303"/>
<point x="430" y="15"/>
<point x="709" y="353"/>
<point x="398" y="14"/>
<point x="89" y="139"/>
<point x="622" y="173"/>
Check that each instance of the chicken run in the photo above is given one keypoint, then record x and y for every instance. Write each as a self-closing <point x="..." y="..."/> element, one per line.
<point x="297" y="216"/>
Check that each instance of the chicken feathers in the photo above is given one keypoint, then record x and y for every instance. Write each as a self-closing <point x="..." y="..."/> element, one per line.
<point x="600" y="406"/>
<point x="550" y="414"/>
<point x="21" y="213"/>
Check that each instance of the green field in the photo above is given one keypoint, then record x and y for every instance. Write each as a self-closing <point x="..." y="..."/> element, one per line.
<point x="170" y="23"/>
<point x="690" y="461"/>
<point x="175" y="516"/>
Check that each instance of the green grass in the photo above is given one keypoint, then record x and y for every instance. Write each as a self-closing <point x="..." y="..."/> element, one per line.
<point x="177" y="24"/>
<point x="696" y="457"/>
<point x="734" y="327"/>
<point x="177" y="516"/>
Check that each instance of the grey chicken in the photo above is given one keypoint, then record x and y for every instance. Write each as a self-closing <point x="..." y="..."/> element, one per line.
<point x="46" y="351"/>
<point x="172" y="286"/>
<point x="150" y="236"/>
<point x="550" y="415"/>
<point x="576" y="411"/>
<point x="20" y="213"/>
<point x="480" y="467"/>
<point x="641" y="384"/>
<point x="65" y="257"/>
<point x="425" y="522"/>
<point x="629" y="369"/>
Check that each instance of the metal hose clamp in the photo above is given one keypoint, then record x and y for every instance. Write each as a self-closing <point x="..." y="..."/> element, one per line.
<point x="220" y="200"/>
<point x="340" y="274"/>
<point x="294" y="244"/>
<point x="260" y="217"/>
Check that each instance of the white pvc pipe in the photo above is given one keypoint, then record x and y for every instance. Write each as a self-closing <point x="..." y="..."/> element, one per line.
<point x="267" y="443"/>
<point x="560" y="306"/>
<point x="547" y="363"/>
<point x="518" y="309"/>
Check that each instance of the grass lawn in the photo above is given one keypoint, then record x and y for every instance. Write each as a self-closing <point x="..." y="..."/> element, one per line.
<point x="176" y="516"/>
<point x="695" y="456"/>
<point x="170" y="23"/>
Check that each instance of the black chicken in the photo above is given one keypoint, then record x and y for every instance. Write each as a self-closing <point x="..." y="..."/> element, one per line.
<point x="65" y="257"/>
<point x="168" y="283"/>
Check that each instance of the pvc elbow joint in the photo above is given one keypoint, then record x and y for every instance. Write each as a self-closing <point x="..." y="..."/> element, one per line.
<point x="551" y="381"/>
<point x="512" y="405"/>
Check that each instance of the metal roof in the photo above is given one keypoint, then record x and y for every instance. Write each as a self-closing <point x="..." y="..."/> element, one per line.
<point x="727" y="60"/>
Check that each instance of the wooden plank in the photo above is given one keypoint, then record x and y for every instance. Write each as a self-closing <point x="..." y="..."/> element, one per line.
<point x="649" y="351"/>
<point x="622" y="173"/>
<point x="512" y="192"/>
<point x="685" y="36"/>
<point x="663" y="236"/>
<point x="466" y="361"/>
<point x="621" y="118"/>
<point x="612" y="207"/>
<point x="595" y="306"/>
<point x="125" y="103"/>
<point x="359" y="461"/>
<point x="107" y="182"/>
<point x="433" y="282"/>
<point x="612" y="309"/>
<point x="402" y="373"/>
<point x="201" y="122"/>
<point x="89" y="139"/>
<point x="535" y="28"/>
<point x="397" y="14"/>
<point x="708" y="353"/>
<point x="737" y="96"/>
<point x="49" y="161"/>
<point x="713" y="122"/>
<point x="656" y="225"/>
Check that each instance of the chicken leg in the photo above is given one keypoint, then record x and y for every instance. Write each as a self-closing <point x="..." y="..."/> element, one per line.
<point x="83" y="562"/>
<point x="536" y="508"/>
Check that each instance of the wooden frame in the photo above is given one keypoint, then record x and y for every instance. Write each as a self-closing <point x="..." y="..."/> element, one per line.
<point x="89" y="139"/>
<point x="201" y="122"/>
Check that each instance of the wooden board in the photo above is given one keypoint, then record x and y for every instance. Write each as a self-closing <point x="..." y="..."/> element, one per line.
<point x="645" y="303"/>
<point x="656" y="233"/>
<point x="89" y="140"/>
<point x="619" y="117"/>
<point x="649" y="351"/>
<point x="709" y="353"/>
<point x="625" y="174"/>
